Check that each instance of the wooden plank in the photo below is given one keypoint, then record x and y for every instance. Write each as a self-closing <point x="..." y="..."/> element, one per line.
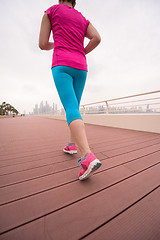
<point x="111" y="151"/>
<point x="41" y="169"/>
<point x="28" y="188"/>
<point x="117" y="137"/>
<point x="47" y="166"/>
<point x="33" y="164"/>
<point x="61" y="193"/>
<point x="28" y="154"/>
<point x="18" y="131"/>
<point x="47" y="146"/>
<point x="72" y="221"/>
<point x="24" y="125"/>
<point x="51" y="200"/>
<point x="51" y="125"/>
<point x="49" y="169"/>
<point x="58" y="156"/>
<point x="96" y="130"/>
<point x="126" y="143"/>
<point x="57" y="162"/>
<point x="141" y="221"/>
<point x="22" y="154"/>
<point x="52" y="142"/>
<point x="115" y="152"/>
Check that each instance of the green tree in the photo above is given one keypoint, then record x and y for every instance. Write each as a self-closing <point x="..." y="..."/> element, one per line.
<point x="6" y="108"/>
<point x="3" y="107"/>
<point x="1" y="110"/>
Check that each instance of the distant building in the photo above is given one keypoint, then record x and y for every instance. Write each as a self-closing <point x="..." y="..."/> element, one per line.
<point x="45" y="108"/>
<point x="35" y="110"/>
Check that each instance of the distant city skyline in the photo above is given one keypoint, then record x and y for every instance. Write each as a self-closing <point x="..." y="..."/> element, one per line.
<point x="101" y="109"/>
<point x="44" y="108"/>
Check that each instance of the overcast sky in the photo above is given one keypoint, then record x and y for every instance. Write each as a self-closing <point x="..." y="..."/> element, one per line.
<point x="126" y="62"/>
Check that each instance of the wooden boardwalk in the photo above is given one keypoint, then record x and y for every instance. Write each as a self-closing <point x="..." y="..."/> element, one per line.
<point x="42" y="199"/>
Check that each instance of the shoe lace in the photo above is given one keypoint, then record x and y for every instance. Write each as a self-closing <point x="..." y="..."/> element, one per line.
<point x="70" y="144"/>
<point x="79" y="162"/>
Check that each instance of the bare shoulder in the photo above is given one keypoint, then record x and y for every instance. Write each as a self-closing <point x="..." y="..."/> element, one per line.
<point x="45" y="18"/>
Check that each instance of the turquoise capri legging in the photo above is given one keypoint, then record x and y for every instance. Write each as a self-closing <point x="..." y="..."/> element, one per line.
<point x="70" y="83"/>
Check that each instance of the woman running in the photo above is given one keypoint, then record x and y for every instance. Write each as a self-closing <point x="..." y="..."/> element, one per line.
<point x="69" y="69"/>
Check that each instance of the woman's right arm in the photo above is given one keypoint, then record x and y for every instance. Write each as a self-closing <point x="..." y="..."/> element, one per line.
<point x="94" y="37"/>
<point x="44" y="35"/>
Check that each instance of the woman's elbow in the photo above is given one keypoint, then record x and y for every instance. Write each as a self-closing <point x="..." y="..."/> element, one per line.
<point x="98" y="39"/>
<point x="41" y="46"/>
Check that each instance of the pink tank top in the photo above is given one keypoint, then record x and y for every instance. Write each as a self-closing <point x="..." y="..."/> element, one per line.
<point x="69" y="28"/>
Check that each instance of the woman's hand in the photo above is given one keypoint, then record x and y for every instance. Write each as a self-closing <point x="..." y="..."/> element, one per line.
<point x="94" y="37"/>
<point x="44" y="35"/>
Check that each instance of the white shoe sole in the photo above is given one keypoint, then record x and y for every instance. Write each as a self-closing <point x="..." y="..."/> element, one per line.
<point x="70" y="152"/>
<point x="93" y="166"/>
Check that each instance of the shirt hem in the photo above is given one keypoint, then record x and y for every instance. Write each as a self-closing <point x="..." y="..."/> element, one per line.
<point x="70" y="65"/>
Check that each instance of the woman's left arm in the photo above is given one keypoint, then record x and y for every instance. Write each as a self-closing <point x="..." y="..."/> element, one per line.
<point x="44" y="35"/>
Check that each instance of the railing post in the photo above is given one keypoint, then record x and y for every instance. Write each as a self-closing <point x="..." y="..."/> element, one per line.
<point x="107" y="108"/>
<point x="83" y="110"/>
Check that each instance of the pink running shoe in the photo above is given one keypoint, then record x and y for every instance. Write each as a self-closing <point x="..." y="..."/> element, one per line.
<point x="70" y="148"/>
<point x="88" y="165"/>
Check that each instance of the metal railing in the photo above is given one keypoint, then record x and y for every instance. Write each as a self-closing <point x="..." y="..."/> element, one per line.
<point x="120" y="106"/>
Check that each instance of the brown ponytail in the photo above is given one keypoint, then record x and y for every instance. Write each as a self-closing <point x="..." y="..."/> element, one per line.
<point x="71" y="1"/>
